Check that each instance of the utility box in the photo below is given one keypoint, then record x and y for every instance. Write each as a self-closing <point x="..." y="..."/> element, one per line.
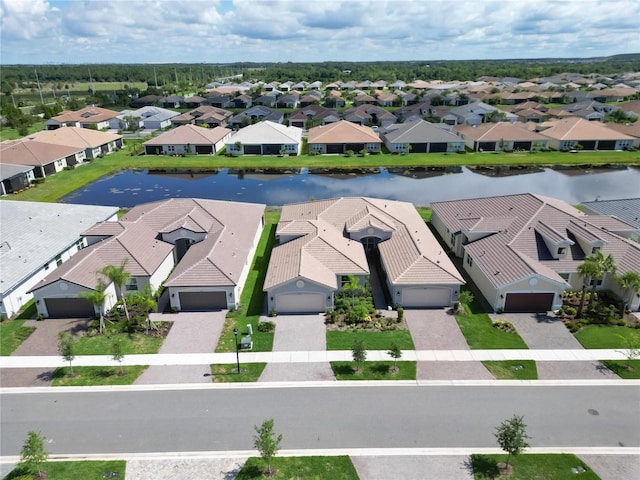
<point x="249" y="329"/>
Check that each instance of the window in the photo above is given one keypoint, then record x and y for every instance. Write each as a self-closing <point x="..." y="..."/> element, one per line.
<point x="453" y="238"/>
<point x="469" y="260"/>
<point x="46" y="266"/>
<point x="80" y="244"/>
<point x="171" y="148"/>
<point x="58" y="260"/>
<point x="132" y="284"/>
<point x="344" y="280"/>
<point x="595" y="281"/>
<point x="595" y="249"/>
<point x="562" y="250"/>
<point x="565" y="276"/>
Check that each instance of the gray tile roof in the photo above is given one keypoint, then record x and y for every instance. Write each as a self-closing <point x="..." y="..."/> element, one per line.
<point x="627" y="209"/>
<point x="33" y="233"/>
<point x="9" y="171"/>
<point x="418" y="131"/>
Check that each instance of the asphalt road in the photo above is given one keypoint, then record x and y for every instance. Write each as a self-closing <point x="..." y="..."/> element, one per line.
<point x="327" y="417"/>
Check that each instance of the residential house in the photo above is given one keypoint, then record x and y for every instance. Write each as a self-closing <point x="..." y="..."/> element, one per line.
<point x="96" y="118"/>
<point x="194" y="101"/>
<point x="291" y="100"/>
<point x="199" y="250"/>
<point x="94" y="143"/>
<point x="172" y="101"/>
<point x="307" y="100"/>
<point x="523" y="251"/>
<point x="266" y="100"/>
<point x="313" y="115"/>
<point x="219" y="100"/>
<point x="625" y="209"/>
<point x="340" y="137"/>
<point x="494" y="137"/>
<point x="476" y="113"/>
<point x="188" y="139"/>
<point x="630" y="129"/>
<point x="369" y="115"/>
<point x="573" y="133"/>
<point x="43" y="158"/>
<point x="334" y="100"/>
<point x="265" y="138"/>
<point x="257" y="113"/>
<point x="37" y="237"/>
<point x="420" y="137"/>
<point x="146" y="101"/>
<point x="324" y="242"/>
<point x="364" y="99"/>
<point x="387" y="99"/>
<point x="149" y="118"/>
<point x="242" y="101"/>
<point x="14" y="178"/>
<point x="589" y="110"/>
<point x="204" y="115"/>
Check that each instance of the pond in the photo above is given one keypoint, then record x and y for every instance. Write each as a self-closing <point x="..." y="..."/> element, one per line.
<point x="420" y="186"/>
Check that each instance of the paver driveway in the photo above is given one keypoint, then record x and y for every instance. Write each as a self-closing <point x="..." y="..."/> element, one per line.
<point x="435" y="330"/>
<point x="541" y="332"/>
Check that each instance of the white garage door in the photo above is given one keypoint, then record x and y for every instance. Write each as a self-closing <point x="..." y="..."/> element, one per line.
<point x="426" y="297"/>
<point x="300" y="303"/>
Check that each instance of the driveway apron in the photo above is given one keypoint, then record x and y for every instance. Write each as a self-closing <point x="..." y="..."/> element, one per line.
<point x="408" y="467"/>
<point x="541" y="332"/>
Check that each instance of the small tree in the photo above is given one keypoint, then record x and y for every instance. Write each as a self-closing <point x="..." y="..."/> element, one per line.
<point x="395" y="353"/>
<point x="512" y="437"/>
<point x="66" y="348"/>
<point x="117" y="352"/>
<point x="97" y="297"/>
<point x="358" y="352"/>
<point x="465" y="298"/>
<point x="631" y="348"/>
<point x="33" y="454"/>
<point x="267" y="443"/>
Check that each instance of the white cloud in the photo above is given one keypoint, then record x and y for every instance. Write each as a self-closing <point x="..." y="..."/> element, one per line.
<point x="288" y="30"/>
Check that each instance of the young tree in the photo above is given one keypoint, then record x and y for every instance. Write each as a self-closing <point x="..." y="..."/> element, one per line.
<point x="465" y="298"/>
<point x="118" y="276"/>
<point x="66" y="348"/>
<point x="512" y="437"/>
<point x="589" y="271"/>
<point x="358" y="352"/>
<point x="96" y="297"/>
<point x="117" y="352"/>
<point x="354" y="288"/>
<point x="631" y="348"/>
<point x="395" y="353"/>
<point x="33" y="454"/>
<point x="267" y="442"/>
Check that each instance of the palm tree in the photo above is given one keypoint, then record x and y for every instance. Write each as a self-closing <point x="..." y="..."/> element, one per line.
<point x="145" y="301"/>
<point x="118" y="276"/>
<point x="606" y="264"/>
<point x="630" y="282"/>
<point x="589" y="271"/>
<point x="96" y="297"/>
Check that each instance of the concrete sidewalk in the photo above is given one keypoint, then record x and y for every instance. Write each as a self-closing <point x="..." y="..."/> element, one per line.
<point x="582" y="355"/>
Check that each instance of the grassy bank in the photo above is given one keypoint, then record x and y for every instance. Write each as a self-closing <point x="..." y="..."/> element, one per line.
<point x="65" y="182"/>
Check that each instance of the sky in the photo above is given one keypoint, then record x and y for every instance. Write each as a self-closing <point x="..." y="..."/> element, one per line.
<point x="226" y="31"/>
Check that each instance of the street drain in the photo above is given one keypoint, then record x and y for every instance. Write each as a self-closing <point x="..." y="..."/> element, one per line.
<point x="593" y="412"/>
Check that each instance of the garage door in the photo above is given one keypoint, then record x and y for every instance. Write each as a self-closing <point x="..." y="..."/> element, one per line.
<point x="69" y="308"/>
<point x="300" y="303"/>
<point x="202" y="301"/>
<point x="528" y="302"/>
<point x="426" y="297"/>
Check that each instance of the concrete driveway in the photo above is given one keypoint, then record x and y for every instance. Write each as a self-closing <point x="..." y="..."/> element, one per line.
<point x="540" y="333"/>
<point x="191" y="332"/>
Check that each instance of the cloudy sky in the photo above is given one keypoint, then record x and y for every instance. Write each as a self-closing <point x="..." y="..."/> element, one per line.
<point x="220" y="31"/>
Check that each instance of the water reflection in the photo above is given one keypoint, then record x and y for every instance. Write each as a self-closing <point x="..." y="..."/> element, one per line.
<point x="418" y="185"/>
<point x="505" y="170"/>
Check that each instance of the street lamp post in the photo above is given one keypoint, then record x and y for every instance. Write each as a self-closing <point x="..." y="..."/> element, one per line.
<point x="235" y="334"/>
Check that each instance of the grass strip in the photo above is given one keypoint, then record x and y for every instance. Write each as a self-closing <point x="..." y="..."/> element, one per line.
<point x="249" y="372"/>
<point x="12" y="334"/>
<point x="627" y="369"/>
<point x="131" y="343"/>
<point x="301" y="468"/>
<point x="374" y="371"/>
<point x="532" y="467"/>
<point x="86" y="469"/>
<point x="606" y="336"/>
<point x="343" y="340"/>
<point x="512" y="369"/>
<point x="91" y="376"/>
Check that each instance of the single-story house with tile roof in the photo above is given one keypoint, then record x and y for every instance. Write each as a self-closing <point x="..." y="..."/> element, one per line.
<point x="172" y="101"/>
<point x="475" y="113"/>
<point x="420" y="137"/>
<point x="290" y="100"/>
<point x="44" y="158"/>
<point x="631" y="129"/>
<point x="14" y="178"/>
<point x="265" y="138"/>
<point x="257" y="113"/>
<point x="369" y="115"/>
<point x="340" y="137"/>
<point x="493" y="137"/>
<point x="322" y="243"/>
<point x="204" y="115"/>
<point x="145" y="101"/>
<point x="315" y="114"/>
<point x="188" y="139"/>
<point x="200" y="250"/>
<point x="523" y="251"/>
<point x="150" y="118"/>
<point x="625" y="209"/>
<point x="567" y="133"/>
<point x="33" y="244"/>
<point x="94" y="143"/>
<point x="88" y="117"/>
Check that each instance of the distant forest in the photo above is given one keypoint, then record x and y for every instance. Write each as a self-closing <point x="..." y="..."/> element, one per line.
<point x="16" y="76"/>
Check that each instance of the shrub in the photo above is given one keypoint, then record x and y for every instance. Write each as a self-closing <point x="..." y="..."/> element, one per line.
<point x="504" y="326"/>
<point x="569" y="310"/>
<point x="500" y="311"/>
<point x="400" y="311"/>
<point x="266" y="327"/>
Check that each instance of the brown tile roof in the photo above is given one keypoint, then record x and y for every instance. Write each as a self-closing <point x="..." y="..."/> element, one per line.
<point x="190" y="135"/>
<point x="86" y="115"/>
<point x="35" y="153"/>
<point x="517" y="251"/>
<point x="342" y="132"/>
<point x="575" y="128"/>
<point x="494" y="132"/>
<point x="76" y="137"/>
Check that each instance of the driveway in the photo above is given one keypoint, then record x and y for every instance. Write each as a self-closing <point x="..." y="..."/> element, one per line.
<point x="435" y="330"/>
<point x="451" y="467"/>
<point x="191" y="332"/>
<point x="44" y="340"/>
<point x="574" y="371"/>
<point x="453" y="371"/>
<point x="541" y="333"/>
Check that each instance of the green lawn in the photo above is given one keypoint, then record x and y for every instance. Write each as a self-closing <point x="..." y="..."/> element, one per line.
<point x="338" y="340"/>
<point x="252" y="297"/>
<point x="374" y="371"/>
<point x="28" y="311"/>
<point x="12" y="334"/>
<point x="65" y="182"/>
<point x="619" y="367"/>
<point x="7" y="133"/>
<point x="425" y="213"/>
<point x="249" y="372"/>
<point x="480" y="334"/>
<point x="504" y="370"/>
<point x="532" y="467"/>
<point x="301" y="468"/>
<point x="88" y="469"/>
<point x="131" y="344"/>
<point x="604" y="336"/>
<point x="90" y="376"/>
